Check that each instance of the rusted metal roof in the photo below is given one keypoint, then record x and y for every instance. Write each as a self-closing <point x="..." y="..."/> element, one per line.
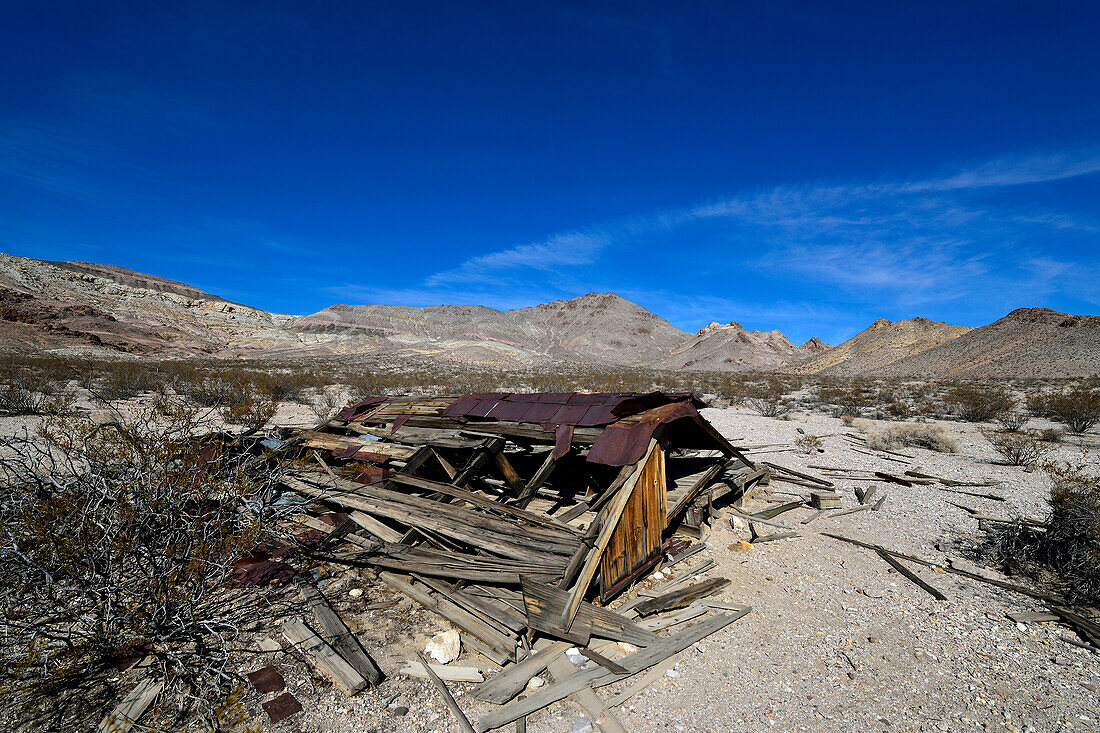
<point x="578" y="409"/>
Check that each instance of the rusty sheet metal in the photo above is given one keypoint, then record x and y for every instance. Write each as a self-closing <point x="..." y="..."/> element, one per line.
<point x="622" y="444"/>
<point x="360" y="408"/>
<point x="560" y="408"/>
<point x="563" y="440"/>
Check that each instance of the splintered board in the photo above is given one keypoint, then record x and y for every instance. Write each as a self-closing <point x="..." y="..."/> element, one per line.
<point x="637" y="537"/>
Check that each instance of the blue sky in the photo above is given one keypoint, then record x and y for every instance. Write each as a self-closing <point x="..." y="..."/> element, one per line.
<point x="794" y="165"/>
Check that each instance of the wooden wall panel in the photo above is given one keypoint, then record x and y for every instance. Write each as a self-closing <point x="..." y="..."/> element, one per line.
<point x="638" y="536"/>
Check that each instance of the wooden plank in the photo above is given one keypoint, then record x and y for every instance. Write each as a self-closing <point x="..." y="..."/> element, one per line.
<point x="513" y="680"/>
<point x="639" y="661"/>
<point x="598" y="711"/>
<point x="339" y="635"/>
<point x="375" y="527"/>
<point x="537" y="481"/>
<point x="611" y="515"/>
<point x="543" y="604"/>
<point x="324" y="658"/>
<point x="448" y="672"/>
<point x="681" y="598"/>
<point x="891" y="478"/>
<point x="643" y="681"/>
<point x="708" y="477"/>
<point x="1032" y="617"/>
<point x="604" y="662"/>
<point x="463" y="721"/>
<point x="555" y="526"/>
<point x="500" y="648"/>
<point x="502" y="535"/>
<point x="896" y="565"/>
<point x="508" y="471"/>
<point x="805" y="476"/>
<point x="956" y="571"/>
<point x="132" y="707"/>
<point x="775" y="511"/>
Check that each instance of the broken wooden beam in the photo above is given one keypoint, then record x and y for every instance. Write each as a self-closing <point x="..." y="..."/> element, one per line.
<point x="324" y="658"/>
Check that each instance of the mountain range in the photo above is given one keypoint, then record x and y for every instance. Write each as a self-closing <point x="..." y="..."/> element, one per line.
<point x="65" y="306"/>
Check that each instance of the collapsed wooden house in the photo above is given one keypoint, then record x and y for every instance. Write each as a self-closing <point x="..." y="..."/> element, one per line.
<point x="508" y="514"/>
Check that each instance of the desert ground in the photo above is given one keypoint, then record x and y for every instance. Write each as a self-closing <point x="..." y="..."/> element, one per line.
<point x="836" y="639"/>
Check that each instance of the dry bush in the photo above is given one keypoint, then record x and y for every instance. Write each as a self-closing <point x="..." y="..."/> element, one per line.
<point x="979" y="403"/>
<point x="809" y="443"/>
<point x="1069" y="541"/>
<point x="1050" y="435"/>
<point x="1078" y="407"/>
<point x="1021" y="448"/>
<point x="851" y="398"/>
<point x="767" y="398"/>
<point x="116" y="541"/>
<point x="1012" y="420"/>
<point x="28" y="389"/>
<point x="932" y="436"/>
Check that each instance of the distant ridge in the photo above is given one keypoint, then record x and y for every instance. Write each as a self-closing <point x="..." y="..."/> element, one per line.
<point x="59" y="306"/>
<point x="879" y="346"/>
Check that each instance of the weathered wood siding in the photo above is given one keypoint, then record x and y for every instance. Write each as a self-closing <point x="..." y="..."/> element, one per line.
<point x="637" y="538"/>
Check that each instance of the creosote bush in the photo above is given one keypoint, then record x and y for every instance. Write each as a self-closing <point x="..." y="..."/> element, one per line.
<point x="1069" y="541"/>
<point x="932" y="436"/>
<point x="979" y="403"/>
<point x="115" y="542"/>
<point x="767" y="398"/>
<point x="1077" y="407"/>
<point x="1019" y="448"/>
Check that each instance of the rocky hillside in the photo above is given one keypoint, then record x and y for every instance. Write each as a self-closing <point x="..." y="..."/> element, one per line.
<point x="880" y="345"/>
<point x="45" y="305"/>
<point x="1028" y="342"/>
<point x="64" y="305"/>
<point x="719" y="347"/>
<point x="600" y="326"/>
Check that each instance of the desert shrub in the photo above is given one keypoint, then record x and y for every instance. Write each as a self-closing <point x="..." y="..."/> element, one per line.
<point x="26" y="389"/>
<point x="1068" y="543"/>
<point x="809" y="443"/>
<point x="1038" y="404"/>
<point x="932" y="436"/>
<point x="247" y="403"/>
<point x="979" y="403"/>
<point x="1050" y="435"/>
<point x="1078" y="407"/>
<point x="767" y="398"/>
<point x="1012" y="420"/>
<point x="115" y="542"/>
<point x="898" y="409"/>
<point x="126" y="379"/>
<point x="1020" y="448"/>
<point x="847" y="399"/>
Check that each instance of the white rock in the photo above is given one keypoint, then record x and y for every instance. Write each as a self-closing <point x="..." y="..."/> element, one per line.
<point x="355" y="592"/>
<point x="444" y="646"/>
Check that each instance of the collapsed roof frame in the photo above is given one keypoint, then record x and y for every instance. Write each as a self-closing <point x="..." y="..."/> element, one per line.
<point x="499" y="511"/>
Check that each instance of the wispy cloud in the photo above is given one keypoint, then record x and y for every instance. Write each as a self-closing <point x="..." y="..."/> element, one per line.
<point x="900" y="243"/>
<point x="560" y="250"/>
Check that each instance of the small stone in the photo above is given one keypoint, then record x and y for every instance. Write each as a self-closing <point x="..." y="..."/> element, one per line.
<point x="400" y="711"/>
<point x="582" y="725"/>
<point x="444" y="646"/>
<point x="672" y="674"/>
<point x="355" y="592"/>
